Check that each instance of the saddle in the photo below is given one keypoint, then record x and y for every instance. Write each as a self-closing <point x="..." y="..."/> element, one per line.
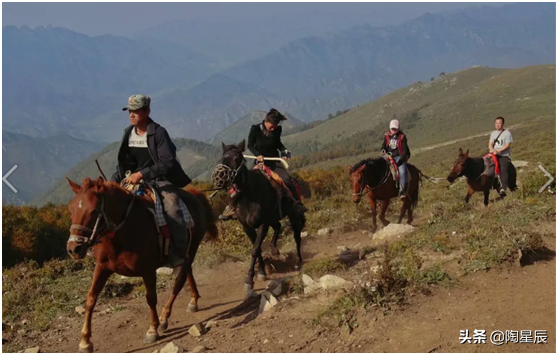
<point x="157" y="209"/>
<point x="491" y="165"/>
<point x="278" y="184"/>
<point x="149" y="193"/>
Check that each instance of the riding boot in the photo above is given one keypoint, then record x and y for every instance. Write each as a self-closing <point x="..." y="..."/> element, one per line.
<point x="228" y="213"/>
<point x="402" y="191"/>
<point x="298" y="206"/>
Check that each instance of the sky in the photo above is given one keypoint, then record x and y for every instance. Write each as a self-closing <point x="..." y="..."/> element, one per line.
<point x="129" y="18"/>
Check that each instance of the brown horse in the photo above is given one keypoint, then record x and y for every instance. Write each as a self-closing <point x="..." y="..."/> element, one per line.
<point x="124" y="234"/>
<point x="373" y="176"/>
<point x="472" y="169"/>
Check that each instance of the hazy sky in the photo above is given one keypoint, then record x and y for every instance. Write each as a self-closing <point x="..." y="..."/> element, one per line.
<point x="127" y="18"/>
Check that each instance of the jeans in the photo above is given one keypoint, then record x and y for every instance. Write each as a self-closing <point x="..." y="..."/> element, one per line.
<point x="402" y="174"/>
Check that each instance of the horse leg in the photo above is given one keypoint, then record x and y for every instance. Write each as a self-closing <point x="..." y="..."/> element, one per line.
<point x="100" y="278"/>
<point x="385" y="205"/>
<point x="372" y="201"/>
<point x="178" y="285"/>
<point x="249" y="282"/>
<point x="276" y="234"/>
<point x="262" y="233"/>
<point x="486" y="195"/>
<point x="470" y="192"/>
<point x="297" y="226"/>
<point x="194" y="294"/>
<point x="410" y="213"/>
<point x="150" y="282"/>
<point x="404" y="208"/>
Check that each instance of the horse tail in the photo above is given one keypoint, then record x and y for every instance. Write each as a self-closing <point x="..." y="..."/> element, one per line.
<point x="512" y="178"/>
<point x="211" y="231"/>
<point x="415" y="193"/>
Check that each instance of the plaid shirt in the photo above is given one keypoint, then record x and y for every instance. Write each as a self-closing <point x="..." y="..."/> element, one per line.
<point x="160" y="216"/>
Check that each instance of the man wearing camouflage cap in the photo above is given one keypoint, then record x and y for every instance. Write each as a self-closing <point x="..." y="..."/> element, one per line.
<point x="149" y="154"/>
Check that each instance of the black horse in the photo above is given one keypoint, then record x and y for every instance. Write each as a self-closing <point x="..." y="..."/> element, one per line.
<point x="257" y="206"/>
<point x="473" y="169"/>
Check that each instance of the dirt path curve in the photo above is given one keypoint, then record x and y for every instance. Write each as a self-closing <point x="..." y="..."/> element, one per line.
<point x="513" y="299"/>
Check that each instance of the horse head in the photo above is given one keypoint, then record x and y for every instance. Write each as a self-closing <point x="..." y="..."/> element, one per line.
<point x="232" y="155"/>
<point x="358" y="183"/>
<point x="459" y="166"/>
<point x="90" y="211"/>
<point x="85" y="212"/>
<point x="232" y="162"/>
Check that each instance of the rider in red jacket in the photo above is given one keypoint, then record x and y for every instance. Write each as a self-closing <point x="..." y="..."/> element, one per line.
<point x="395" y="144"/>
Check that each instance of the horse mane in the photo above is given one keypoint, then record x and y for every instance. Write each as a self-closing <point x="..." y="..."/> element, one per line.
<point x="365" y="162"/>
<point x="108" y="186"/>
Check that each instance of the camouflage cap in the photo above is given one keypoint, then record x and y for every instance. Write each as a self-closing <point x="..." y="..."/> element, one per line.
<point x="135" y="102"/>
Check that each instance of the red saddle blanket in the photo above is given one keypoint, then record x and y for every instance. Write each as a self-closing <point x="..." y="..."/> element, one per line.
<point x="494" y="159"/>
<point x="267" y="170"/>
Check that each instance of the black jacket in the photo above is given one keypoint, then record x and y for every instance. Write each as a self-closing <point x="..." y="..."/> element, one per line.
<point x="163" y="153"/>
<point x="400" y="150"/>
<point x="268" y="146"/>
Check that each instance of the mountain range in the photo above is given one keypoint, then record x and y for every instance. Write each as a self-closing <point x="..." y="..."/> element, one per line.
<point x="78" y="83"/>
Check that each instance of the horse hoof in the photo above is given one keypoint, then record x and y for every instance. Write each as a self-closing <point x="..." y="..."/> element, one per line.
<point x="298" y="267"/>
<point x="192" y="308"/>
<point x="151" y="338"/>
<point x="261" y="277"/>
<point x="163" y="326"/>
<point x="248" y="287"/>
<point x="86" y="348"/>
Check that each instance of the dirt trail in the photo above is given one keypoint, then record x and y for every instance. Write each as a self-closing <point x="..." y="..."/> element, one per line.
<point x="510" y="299"/>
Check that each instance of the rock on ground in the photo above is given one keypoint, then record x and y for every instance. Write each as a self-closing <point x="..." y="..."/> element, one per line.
<point x="267" y="301"/>
<point x="393" y="230"/>
<point x="165" y="271"/>
<point x="212" y="323"/>
<point x="331" y="281"/>
<point x="80" y="310"/>
<point x="171" y="348"/>
<point x="325" y="231"/>
<point x="307" y="280"/>
<point x="35" y="349"/>
<point x="197" y="330"/>
<point x="199" y="349"/>
<point x="277" y="287"/>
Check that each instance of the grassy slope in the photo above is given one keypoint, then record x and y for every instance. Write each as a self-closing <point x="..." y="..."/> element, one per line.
<point x="458" y="105"/>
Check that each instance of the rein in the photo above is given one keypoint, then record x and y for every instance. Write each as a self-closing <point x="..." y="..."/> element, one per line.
<point x="364" y="186"/>
<point x="111" y="227"/>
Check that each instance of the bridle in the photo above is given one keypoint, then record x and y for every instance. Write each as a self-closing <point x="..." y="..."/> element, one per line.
<point x="111" y="227"/>
<point x="364" y="185"/>
<point x="223" y="175"/>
